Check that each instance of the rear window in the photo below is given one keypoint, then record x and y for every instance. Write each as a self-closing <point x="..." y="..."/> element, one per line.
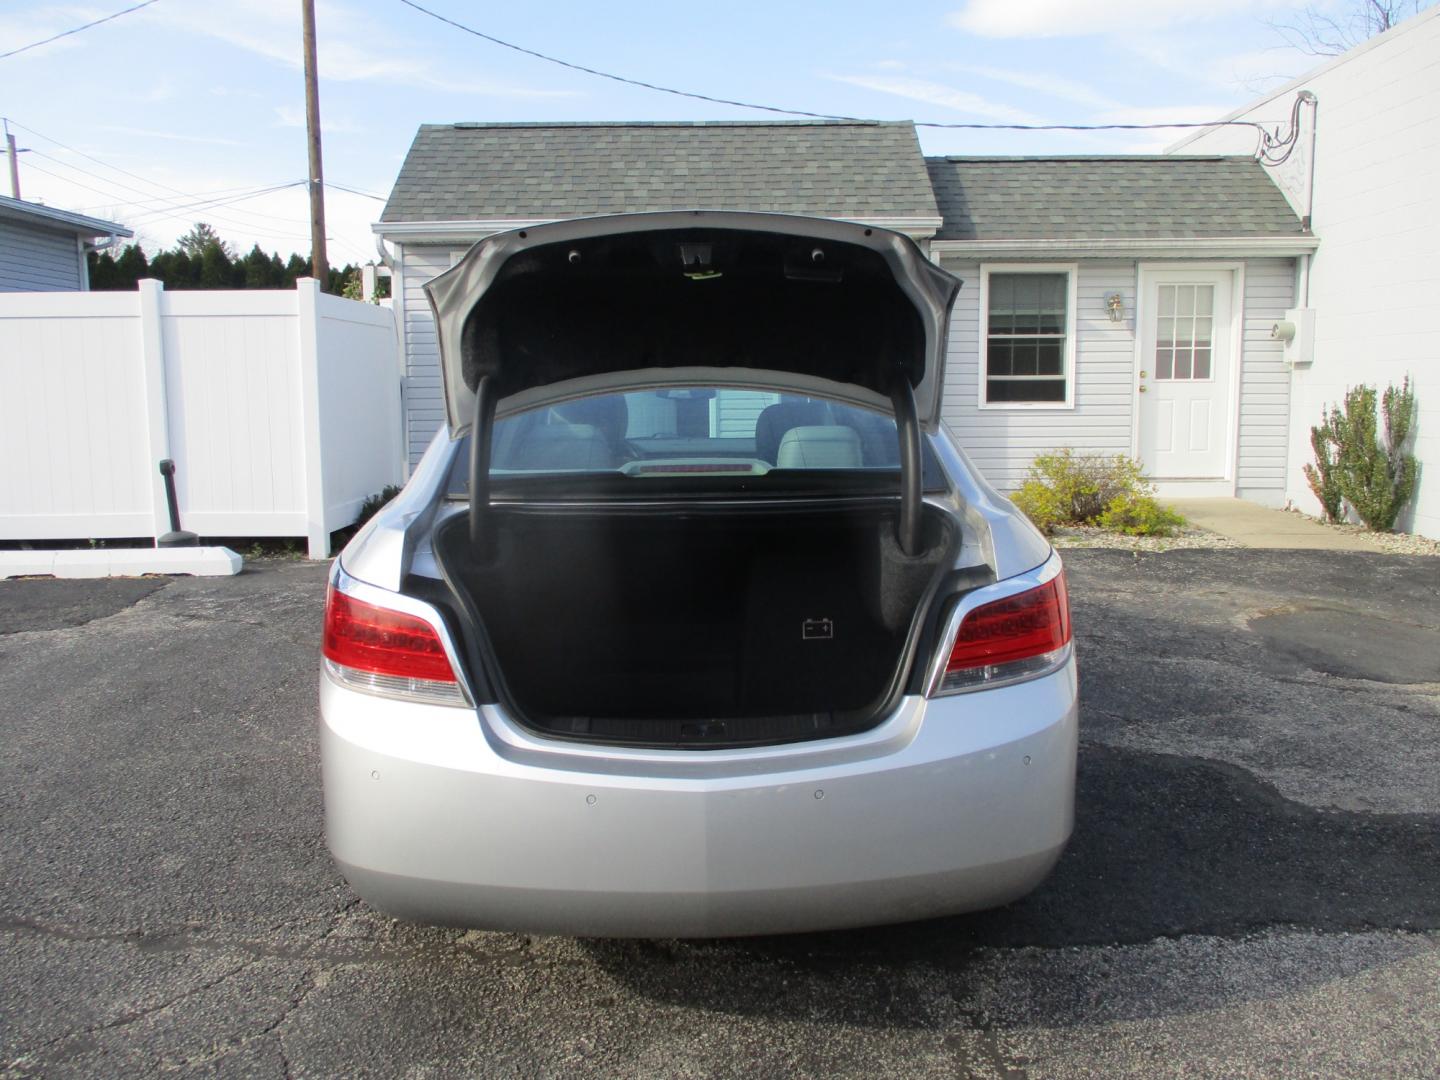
<point x="692" y="431"/>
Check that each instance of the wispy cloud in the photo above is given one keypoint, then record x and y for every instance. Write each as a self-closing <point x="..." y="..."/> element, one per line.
<point x="172" y="136"/>
<point x="1067" y="18"/>
<point x="1067" y="90"/>
<point x="941" y="96"/>
<point x="293" y="116"/>
<point x="347" y="50"/>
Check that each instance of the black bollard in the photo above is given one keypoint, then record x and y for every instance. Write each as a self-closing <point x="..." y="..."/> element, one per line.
<point x="176" y="537"/>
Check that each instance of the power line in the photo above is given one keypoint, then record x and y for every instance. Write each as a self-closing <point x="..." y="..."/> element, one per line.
<point x="237" y="222"/>
<point x="217" y="198"/>
<point x="76" y="30"/>
<point x="802" y="112"/>
<point x="353" y="191"/>
<point x="175" y="212"/>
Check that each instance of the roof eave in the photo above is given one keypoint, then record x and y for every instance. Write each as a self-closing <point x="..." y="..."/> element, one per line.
<point x="1111" y="247"/>
<point x="65" y="220"/>
<point x="470" y="230"/>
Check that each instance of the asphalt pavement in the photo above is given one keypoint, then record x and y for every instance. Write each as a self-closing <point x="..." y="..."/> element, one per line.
<point x="1253" y="888"/>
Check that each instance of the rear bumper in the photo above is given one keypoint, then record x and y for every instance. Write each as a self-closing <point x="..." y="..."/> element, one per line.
<point x="446" y="815"/>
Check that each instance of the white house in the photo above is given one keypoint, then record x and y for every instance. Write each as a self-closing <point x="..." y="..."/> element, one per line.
<point x="1369" y="190"/>
<point x="43" y="250"/>
<point x="1119" y="305"/>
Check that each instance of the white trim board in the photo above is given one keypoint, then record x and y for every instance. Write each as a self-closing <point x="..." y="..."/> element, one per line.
<point x="1113" y="248"/>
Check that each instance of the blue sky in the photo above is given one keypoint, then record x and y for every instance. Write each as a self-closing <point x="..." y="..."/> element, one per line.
<point x="200" y="101"/>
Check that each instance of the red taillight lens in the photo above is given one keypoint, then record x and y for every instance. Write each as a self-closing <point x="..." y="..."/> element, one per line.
<point x="1010" y="638"/>
<point x="375" y="640"/>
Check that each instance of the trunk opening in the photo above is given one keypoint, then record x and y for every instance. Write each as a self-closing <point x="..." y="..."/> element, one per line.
<point x="697" y="627"/>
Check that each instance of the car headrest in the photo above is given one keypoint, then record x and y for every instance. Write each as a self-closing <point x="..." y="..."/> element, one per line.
<point x="830" y="447"/>
<point x="607" y="414"/>
<point x="775" y="420"/>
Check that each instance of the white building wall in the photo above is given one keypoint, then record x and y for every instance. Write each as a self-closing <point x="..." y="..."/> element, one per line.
<point x="1375" y="280"/>
<point x="1002" y="442"/>
<point x="34" y="259"/>
<point x="417" y="264"/>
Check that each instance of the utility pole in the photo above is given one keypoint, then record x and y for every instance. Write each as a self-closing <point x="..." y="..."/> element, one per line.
<point x="14" y="156"/>
<point x="319" y="264"/>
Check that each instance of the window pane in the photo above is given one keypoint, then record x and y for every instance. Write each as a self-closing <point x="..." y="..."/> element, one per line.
<point x="1022" y="308"/>
<point x="1001" y="354"/>
<point x="1165" y="332"/>
<point x="1167" y="300"/>
<point x="1182" y="363"/>
<point x="1051" y="357"/>
<point x="1185" y="300"/>
<point x="1202" y="329"/>
<point x="1202" y="363"/>
<point x="1164" y="363"/>
<point x="1002" y="304"/>
<point x="1025" y="357"/>
<point x="1204" y="299"/>
<point x="1038" y="390"/>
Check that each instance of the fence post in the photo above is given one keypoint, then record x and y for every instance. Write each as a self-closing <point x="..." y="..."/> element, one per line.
<point x="307" y="301"/>
<point x="157" y="408"/>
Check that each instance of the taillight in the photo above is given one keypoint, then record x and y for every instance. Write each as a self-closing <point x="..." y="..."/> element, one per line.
<point x="1007" y="640"/>
<point x="386" y="652"/>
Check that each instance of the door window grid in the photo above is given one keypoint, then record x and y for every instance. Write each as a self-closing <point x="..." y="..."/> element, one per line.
<point x="1184" y="327"/>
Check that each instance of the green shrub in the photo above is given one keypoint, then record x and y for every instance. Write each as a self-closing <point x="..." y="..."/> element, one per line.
<point x="1352" y="462"/>
<point x="372" y="506"/>
<point x="1136" y="513"/>
<point x="1066" y="488"/>
<point x="1324" y="476"/>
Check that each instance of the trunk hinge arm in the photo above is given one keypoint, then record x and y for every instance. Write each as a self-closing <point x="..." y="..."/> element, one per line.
<point x="481" y="431"/>
<point x="907" y="531"/>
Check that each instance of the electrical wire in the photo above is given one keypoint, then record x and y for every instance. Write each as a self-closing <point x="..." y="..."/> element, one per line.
<point x="1263" y="139"/>
<point x="173" y="212"/>
<point x="76" y="30"/>
<point x="143" y="179"/>
<point x="354" y="191"/>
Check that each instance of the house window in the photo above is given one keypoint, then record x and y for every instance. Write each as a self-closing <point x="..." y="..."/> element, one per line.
<point x="1027" y="344"/>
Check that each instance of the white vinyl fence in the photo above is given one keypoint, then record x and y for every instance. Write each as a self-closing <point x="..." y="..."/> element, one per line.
<point x="281" y="411"/>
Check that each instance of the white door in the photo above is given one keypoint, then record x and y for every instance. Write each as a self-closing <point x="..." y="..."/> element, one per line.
<point x="1185" y="371"/>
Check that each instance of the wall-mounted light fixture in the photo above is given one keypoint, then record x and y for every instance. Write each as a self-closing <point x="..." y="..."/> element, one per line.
<point x="1115" y="304"/>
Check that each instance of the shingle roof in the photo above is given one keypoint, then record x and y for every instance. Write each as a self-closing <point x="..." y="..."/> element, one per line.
<point x="63" y="219"/>
<point x="465" y="172"/>
<point x="1165" y="197"/>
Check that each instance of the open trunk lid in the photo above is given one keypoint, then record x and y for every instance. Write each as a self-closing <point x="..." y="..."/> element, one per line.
<point x="766" y="301"/>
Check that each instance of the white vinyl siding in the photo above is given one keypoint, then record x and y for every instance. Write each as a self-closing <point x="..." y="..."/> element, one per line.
<point x="38" y="260"/>
<point x="1003" y="441"/>
<point x="424" y="395"/>
<point x="1264" y="383"/>
<point x="737" y="411"/>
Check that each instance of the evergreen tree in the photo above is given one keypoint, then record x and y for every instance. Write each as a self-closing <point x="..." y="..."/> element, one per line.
<point x="200" y="239"/>
<point x="131" y="267"/>
<point x="101" y="267"/>
<point x="214" y="268"/>
<point x="295" y="268"/>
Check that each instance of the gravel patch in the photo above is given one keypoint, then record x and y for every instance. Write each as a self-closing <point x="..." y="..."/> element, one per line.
<point x="1092" y="536"/>
<point x="1391" y="543"/>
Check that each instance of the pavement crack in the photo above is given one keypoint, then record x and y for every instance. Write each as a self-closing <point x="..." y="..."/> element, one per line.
<point x="133" y="1016"/>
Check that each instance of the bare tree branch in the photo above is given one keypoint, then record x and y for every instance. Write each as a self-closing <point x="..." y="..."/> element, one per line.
<point x="1319" y="32"/>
